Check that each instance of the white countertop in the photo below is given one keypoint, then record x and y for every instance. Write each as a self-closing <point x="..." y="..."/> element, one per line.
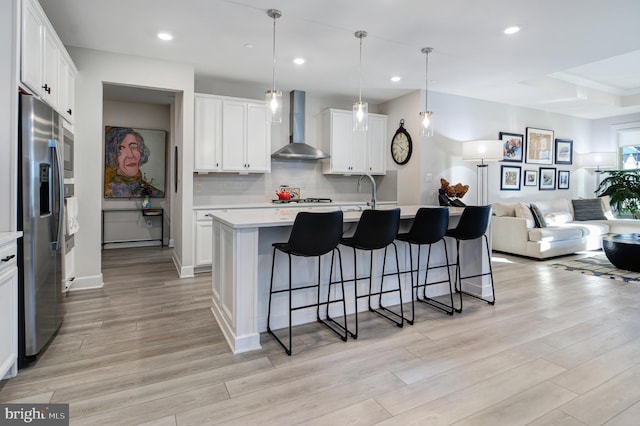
<point x="285" y="216"/>
<point x="6" y="237"/>
<point x="288" y="205"/>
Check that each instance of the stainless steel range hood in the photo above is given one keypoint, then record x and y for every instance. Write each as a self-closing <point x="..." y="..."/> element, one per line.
<point x="296" y="149"/>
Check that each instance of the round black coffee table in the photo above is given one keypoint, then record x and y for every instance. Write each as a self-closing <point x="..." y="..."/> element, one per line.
<point x="623" y="250"/>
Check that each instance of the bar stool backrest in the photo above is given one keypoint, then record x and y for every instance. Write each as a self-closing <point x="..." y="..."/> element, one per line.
<point x="429" y="225"/>
<point x="473" y="222"/>
<point x="376" y="229"/>
<point x="315" y="234"/>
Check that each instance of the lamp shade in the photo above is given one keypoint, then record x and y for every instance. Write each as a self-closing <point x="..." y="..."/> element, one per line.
<point x="482" y="150"/>
<point x="597" y="160"/>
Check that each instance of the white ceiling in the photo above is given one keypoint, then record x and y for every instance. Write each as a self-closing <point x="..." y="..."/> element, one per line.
<point x="577" y="57"/>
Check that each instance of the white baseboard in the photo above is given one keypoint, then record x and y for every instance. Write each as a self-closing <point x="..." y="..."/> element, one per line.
<point x="86" y="283"/>
<point x="183" y="271"/>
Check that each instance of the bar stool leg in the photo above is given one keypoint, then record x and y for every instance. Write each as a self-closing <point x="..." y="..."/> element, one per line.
<point x="493" y="293"/>
<point x="458" y="275"/>
<point x="355" y="289"/>
<point x="273" y="262"/>
<point x="342" y="299"/>
<point x="382" y="307"/>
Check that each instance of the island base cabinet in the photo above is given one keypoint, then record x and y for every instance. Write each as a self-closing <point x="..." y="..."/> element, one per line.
<point x="8" y="322"/>
<point x="234" y="277"/>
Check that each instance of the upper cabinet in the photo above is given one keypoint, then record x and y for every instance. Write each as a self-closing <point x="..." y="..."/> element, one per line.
<point x="208" y="134"/>
<point x="46" y="68"/>
<point x="231" y="135"/>
<point x="353" y="152"/>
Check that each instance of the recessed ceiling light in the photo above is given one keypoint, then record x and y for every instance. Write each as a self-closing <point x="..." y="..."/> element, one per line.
<point x="248" y="45"/>
<point x="511" y="30"/>
<point x="165" y="36"/>
<point x="298" y="61"/>
<point x="396" y="78"/>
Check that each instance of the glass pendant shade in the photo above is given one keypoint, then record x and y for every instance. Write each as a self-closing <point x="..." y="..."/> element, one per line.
<point x="426" y="123"/>
<point x="360" y="116"/>
<point x="273" y="99"/>
<point x="426" y="116"/>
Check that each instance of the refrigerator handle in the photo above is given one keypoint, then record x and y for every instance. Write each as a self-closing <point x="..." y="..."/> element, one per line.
<point x="53" y="143"/>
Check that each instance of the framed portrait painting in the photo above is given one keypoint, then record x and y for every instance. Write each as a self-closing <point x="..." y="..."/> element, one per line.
<point x="563" y="179"/>
<point x="539" y="146"/>
<point x="510" y="178"/>
<point x="134" y="164"/>
<point x="547" y="179"/>
<point x="530" y="178"/>
<point x="564" y="151"/>
<point x="512" y="146"/>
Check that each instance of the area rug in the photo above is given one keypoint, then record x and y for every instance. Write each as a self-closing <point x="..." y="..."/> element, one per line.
<point x="599" y="266"/>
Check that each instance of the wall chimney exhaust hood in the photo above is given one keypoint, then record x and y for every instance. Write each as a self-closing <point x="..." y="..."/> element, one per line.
<point x="296" y="149"/>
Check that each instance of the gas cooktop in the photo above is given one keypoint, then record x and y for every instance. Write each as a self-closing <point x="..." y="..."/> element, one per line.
<point x="303" y="200"/>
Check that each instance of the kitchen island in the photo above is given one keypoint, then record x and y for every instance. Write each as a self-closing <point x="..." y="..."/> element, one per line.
<point x="241" y="270"/>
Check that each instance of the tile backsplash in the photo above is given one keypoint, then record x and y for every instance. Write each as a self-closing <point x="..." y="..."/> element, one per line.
<point x="232" y="188"/>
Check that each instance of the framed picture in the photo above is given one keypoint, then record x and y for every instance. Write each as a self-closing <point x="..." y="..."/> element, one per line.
<point x="512" y="146"/>
<point x="530" y="178"/>
<point x="547" y="178"/>
<point x="134" y="163"/>
<point x="510" y="180"/>
<point x="563" y="179"/>
<point x="539" y="146"/>
<point x="564" y="151"/>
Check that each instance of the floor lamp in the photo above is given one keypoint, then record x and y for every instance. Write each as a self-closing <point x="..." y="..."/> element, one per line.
<point x="598" y="161"/>
<point x="483" y="151"/>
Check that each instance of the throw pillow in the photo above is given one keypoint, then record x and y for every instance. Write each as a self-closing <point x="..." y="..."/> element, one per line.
<point x="588" y="209"/>
<point x="523" y="211"/>
<point x="538" y="217"/>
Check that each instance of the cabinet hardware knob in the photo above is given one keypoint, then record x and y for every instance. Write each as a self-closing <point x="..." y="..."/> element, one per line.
<point x="8" y="258"/>
<point x="47" y="88"/>
<point x="69" y="111"/>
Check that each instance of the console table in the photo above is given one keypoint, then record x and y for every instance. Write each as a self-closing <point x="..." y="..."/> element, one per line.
<point x="152" y="212"/>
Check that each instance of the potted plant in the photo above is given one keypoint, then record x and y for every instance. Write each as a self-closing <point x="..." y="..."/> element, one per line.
<point x="623" y="186"/>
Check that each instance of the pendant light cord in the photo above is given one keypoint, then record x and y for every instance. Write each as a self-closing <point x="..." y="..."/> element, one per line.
<point x="274" y="54"/>
<point x="360" y="74"/>
<point x="426" y="83"/>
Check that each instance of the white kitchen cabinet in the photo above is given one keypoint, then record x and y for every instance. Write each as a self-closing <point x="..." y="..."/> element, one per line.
<point x="353" y="152"/>
<point x="67" y="79"/>
<point x="377" y="145"/>
<point x="231" y="135"/>
<point x="246" y="137"/>
<point x="202" y="240"/>
<point x="208" y="134"/>
<point x="46" y="68"/>
<point x="8" y="308"/>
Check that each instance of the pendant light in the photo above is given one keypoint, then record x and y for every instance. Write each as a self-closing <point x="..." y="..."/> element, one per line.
<point x="426" y="116"/>
<point x="360" y="109"/>
<point x="274" y="97"/>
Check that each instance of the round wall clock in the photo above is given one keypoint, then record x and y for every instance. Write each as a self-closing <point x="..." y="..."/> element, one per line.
<point x="401" y="145"/>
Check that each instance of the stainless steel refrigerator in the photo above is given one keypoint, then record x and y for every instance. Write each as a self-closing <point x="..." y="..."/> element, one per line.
<point x="40" y="218"/>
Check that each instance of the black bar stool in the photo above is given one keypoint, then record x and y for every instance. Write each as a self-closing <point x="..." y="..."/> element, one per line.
<point x="473" y="224"/>
<point x="429" y="227"/>
<point x="376" y="230"/>
<point x="312" y="235"/>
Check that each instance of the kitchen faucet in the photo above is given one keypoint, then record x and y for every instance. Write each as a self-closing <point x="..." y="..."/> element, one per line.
<point x="372" y="203"/>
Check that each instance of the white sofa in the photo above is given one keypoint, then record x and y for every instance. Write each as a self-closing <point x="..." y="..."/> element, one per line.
<point x="514" y="229"/>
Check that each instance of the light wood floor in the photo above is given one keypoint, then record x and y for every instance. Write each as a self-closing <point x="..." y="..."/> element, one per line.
<point x="557" y="348"/>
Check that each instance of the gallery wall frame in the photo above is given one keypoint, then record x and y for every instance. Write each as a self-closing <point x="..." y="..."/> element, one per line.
<point x="547" y="180"/>
<point x="539" y="146"/>
<point x="563" y="179"/>
<point x="512" y="146"/>
<point x="510" y="178"/>
<point x="564" y="151"/>
<point x="530" y="178"/>
<point x="134" y="162"/>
